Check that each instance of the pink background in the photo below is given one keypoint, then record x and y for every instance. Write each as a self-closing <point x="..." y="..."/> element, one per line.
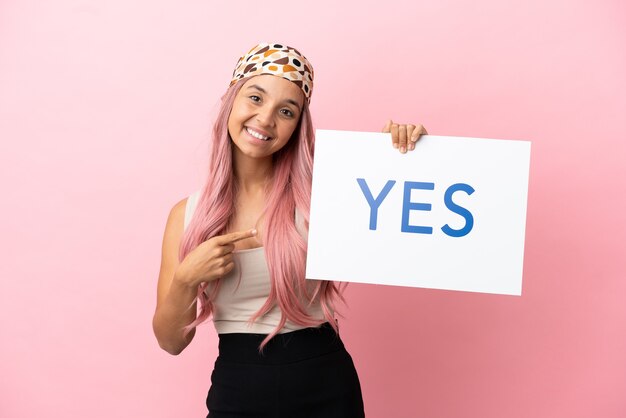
<point x="105" y="110"/>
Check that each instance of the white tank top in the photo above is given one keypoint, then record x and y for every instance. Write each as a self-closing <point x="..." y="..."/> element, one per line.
<point x="238" y="300"/>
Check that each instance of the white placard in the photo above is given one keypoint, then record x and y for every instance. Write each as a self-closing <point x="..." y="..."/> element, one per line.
<point x="450" y="214"/>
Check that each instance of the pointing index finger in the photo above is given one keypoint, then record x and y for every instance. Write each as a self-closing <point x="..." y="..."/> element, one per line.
<point x="236" y="236"/>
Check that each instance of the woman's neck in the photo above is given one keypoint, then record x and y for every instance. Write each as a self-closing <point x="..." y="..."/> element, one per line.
<point x="252" y="174"/>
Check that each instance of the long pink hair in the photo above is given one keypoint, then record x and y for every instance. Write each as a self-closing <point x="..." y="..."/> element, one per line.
<point x="285" y="248"/>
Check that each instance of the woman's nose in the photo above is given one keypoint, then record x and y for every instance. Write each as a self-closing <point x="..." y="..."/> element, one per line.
<point x="264" y="115"/>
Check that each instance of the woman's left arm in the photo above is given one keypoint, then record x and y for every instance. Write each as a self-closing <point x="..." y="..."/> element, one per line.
<point x="404" y="137"/>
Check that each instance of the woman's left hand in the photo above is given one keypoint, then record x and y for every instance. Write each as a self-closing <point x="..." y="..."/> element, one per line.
<point x="404" y="137"/>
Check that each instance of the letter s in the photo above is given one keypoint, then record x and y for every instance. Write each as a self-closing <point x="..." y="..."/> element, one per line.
<point x="469" y="219"/>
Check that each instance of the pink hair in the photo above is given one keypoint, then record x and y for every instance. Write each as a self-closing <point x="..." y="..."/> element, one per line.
<point x="285" y="248"/>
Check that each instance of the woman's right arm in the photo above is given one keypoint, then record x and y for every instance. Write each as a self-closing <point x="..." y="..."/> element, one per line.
<point x="178" y="282"/>
<point x="176" y="306"/>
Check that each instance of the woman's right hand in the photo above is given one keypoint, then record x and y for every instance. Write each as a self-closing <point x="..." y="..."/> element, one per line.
<point x="211" y="259"/>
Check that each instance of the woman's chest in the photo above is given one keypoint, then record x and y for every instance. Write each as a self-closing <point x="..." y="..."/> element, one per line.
<point x="248" y="215"/>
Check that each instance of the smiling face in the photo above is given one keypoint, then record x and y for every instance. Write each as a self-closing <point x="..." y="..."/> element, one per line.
<point x="265" y="114"/>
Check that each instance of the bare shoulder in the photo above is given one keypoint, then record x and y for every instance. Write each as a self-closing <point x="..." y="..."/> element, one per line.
<point x="174" y="227"/>
<point x="172" y="236"/>
<point x="177" y="213"/>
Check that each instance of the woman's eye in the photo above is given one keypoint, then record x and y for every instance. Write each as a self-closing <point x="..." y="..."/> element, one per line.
<point x="287" y="112"/>
<point x="255" y="98"/>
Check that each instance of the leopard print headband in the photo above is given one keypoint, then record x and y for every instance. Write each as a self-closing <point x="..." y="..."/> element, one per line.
<point x="276" y="59"/>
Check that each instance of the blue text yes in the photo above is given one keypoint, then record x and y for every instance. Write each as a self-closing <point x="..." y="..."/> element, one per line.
<point x="408" y="206"/>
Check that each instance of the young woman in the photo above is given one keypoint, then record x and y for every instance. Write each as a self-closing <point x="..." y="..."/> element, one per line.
<point x="238" y="246"/>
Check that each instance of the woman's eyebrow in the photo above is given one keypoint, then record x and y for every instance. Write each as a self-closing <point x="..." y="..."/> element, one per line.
<point x="262" y="90"/>
<point x="254" y="86"/>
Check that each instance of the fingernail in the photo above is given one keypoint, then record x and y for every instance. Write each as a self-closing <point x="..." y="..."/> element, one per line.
<point x="411" y="146"/>
<point x="395" y="145"/>
<point x="253" y="232"/>
<point x="402" y="150"/>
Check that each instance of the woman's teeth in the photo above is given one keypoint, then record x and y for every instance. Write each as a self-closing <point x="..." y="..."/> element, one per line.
<point x="258" y="135"/>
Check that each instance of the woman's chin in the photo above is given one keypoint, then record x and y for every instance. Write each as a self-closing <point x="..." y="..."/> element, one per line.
<point x="254" y="152"/>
